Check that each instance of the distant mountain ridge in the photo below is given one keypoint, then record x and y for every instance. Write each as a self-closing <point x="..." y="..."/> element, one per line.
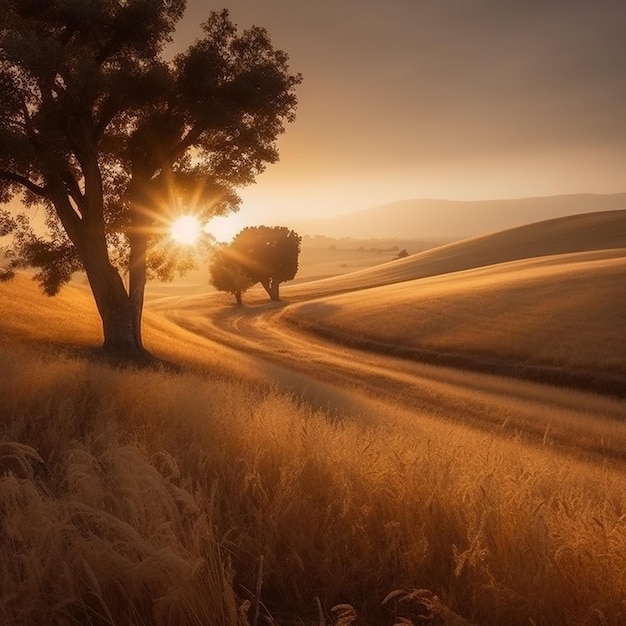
<point x="455" y="219"/>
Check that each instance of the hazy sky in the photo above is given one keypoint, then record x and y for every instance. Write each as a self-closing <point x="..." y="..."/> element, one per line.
<point x="459" y="99"/>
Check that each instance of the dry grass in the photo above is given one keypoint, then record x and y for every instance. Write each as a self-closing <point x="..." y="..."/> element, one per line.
<point x="314" y="263"/>
<point x="69" y="322"/>
<point x="565" y="310"/>
<point x="150" y="497"/>
<point x="565" y="235"/>
<point x="126" y="496"/>
<point x="97" y="529"/>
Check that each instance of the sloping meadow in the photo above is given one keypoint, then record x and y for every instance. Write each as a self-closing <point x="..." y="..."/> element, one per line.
<point x="151" y="497"/>
<point x="565" y="311"/>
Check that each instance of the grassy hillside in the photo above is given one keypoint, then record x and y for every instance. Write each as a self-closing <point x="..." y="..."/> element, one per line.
<point x="69" y="323"/>
<point x="567" y="311"/>
<point x="158" y="497"/>
<point x="577" y="233"/>
<point x="318" y="259"/>
<point x="151" y="498"/>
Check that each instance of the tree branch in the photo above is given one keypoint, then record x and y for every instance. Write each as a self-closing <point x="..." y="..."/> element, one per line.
<point x="72" y="222"/>
<point x="67" y="35"/>
<point x="186" y="142"/>
<point x="108" y="111"/>
<point x="16" y="124"/>
<point x="107" y="49"/>
<point x="72" y="187"/>
<point x="28" y="122"/>
<point x="25" y="182"/>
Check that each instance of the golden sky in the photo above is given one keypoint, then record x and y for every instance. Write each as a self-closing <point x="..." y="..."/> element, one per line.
<point x="457" y="99"/>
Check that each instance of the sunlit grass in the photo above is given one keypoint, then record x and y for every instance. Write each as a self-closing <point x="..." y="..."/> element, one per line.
<point x="567" y="310"/>
<point x="127" y="495"/>
<point x="571" y="234"/>
<point x="152" y="497"/>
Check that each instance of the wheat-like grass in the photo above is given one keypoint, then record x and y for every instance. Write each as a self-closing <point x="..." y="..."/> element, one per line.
<point x="149" y="498"/>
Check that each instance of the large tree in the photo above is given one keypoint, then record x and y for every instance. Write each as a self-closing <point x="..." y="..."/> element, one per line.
<point x="269" y="255"/>
<point x="112" y="138"/>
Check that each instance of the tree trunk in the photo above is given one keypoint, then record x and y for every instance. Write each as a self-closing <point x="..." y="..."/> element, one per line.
<point x="267" y="285"/>
<point x="114" y="306"/>
<point x="274" y="290"/>
<point x="238" y="298"/>
<point x="271" y="287"/>
<point x="137" y="280"/>
<point x="138" y="239"/>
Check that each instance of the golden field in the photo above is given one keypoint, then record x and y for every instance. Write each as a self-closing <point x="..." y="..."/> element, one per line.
<point x="207" y="491"/>
<point x="532" y="310"/>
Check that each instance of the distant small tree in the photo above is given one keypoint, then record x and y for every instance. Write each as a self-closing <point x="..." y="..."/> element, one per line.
<point x="269" y="255"/>
<point x="227" y="274"/>
<point x="402" y="254"/>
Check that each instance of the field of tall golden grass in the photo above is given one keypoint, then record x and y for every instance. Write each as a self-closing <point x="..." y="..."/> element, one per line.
<point x="152" y="497"/>
<point x="194" y="493"/>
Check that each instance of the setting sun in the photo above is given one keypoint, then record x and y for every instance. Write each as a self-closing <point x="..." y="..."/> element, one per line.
<point x="186" y="230"/>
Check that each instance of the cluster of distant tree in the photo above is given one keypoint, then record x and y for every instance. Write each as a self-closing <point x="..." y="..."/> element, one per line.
<point x="258" y="254"/>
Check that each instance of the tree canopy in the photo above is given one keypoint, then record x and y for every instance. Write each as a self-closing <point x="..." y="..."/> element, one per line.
<point x="269" y="255"/>
<point x="114" y="140"/>
<point x="227" y="273"/>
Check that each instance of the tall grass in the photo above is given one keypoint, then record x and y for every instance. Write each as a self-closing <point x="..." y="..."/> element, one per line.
<point x="146" y="497"/>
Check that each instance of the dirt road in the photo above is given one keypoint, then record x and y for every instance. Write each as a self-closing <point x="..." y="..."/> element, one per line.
<point x="336" y="376"/>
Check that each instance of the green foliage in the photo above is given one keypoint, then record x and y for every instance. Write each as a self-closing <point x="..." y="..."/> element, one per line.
<point x="269" y="255"/>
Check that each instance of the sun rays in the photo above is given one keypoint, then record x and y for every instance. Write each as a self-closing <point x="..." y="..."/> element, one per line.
<point x="186" y="230"/>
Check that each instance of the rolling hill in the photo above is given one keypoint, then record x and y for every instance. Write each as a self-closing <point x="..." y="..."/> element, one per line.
<point x="69" y="323"/>
<point x="564" y="311"/>
<point x="575" y="233"/>
<point x="547" y="295"/>
<point x="168" y="495"/>
<point x="450" y="220"/>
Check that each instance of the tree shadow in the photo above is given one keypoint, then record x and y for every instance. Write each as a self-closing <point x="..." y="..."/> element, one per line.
<point x="120" y="360"/>
<point x="251" y="309"/>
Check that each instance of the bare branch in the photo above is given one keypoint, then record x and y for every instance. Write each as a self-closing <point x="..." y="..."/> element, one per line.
<point x="186" y="142"/>
<point x="25" y="182"/>
<point x="108" y="110"/>
<point x="58" y="87"/>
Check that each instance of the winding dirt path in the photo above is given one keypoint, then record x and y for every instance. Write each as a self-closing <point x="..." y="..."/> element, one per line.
<point x="324" y="372"/>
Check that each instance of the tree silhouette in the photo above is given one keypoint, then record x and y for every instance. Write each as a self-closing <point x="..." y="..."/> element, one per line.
<point x="112" y="139"/>
<point x="227" y="274"/>
<point x="269" y="255"/>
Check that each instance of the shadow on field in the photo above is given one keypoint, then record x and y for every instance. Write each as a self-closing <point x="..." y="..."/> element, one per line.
<point x="611" y="383"/>
<point x="122" y="361"/>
